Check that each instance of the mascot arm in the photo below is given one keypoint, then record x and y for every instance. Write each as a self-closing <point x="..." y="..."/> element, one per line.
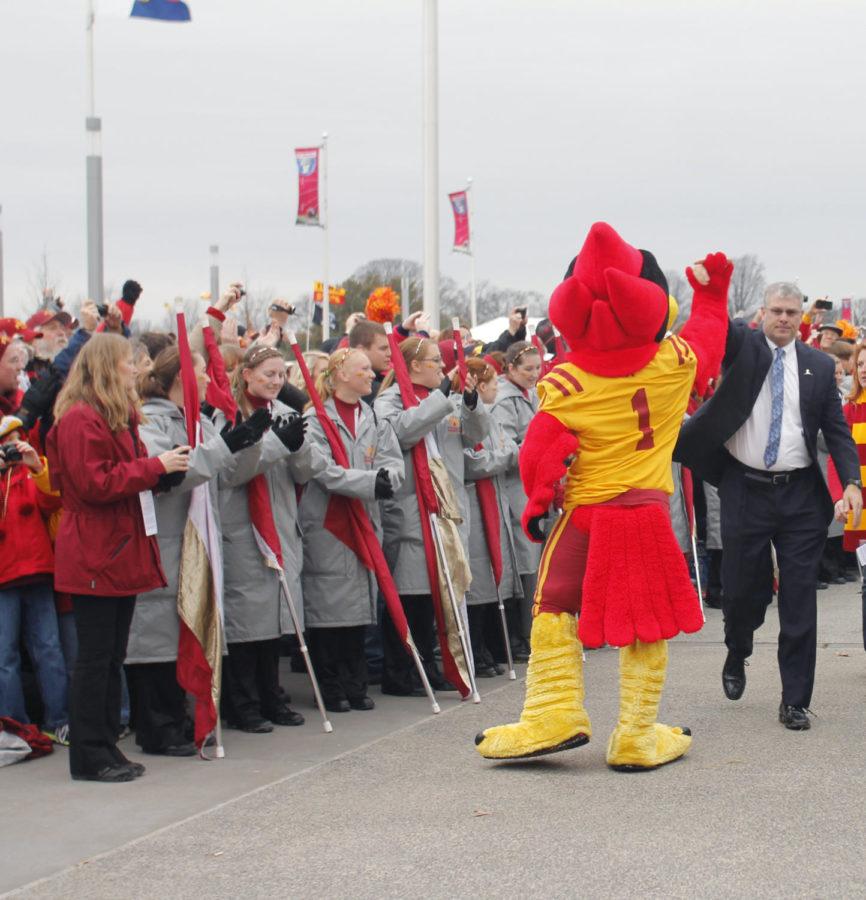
<point x="543" y="462"/>
<point x="707" y="327"/>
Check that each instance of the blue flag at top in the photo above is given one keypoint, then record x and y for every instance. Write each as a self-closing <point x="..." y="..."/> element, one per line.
<point x="167" y="10"/>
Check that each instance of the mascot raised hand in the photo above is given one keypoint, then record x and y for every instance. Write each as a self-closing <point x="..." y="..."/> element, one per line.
<point x="611" y="571"/>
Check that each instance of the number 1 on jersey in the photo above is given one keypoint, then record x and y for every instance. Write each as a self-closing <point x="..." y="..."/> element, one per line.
<point x="640" y="405"/>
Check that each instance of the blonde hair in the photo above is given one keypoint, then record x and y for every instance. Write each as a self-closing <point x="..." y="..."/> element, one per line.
<point x="95" y="381"/>
<point x="325" y="386"/>
<point x="411" y="349"/>
<point x="296" y="379"/>
<point x="253" y="358"/>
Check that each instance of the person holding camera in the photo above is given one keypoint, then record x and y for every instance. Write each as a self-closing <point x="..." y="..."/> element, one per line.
<point x="259" y="515"/>
<point x="106" y="549"/>
<point x="26" y="589"/>
<point x="339" y="591"/>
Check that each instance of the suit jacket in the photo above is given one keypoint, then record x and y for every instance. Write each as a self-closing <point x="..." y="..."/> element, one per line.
<point x="701" y="445"/>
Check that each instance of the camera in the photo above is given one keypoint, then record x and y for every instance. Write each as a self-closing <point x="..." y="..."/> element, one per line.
<point x="277" y="308"/>
<point x="102" y="309"/>
<point x="823" y="304"/>
<point x="522" y="310"/>
<point x="10" y="454"/>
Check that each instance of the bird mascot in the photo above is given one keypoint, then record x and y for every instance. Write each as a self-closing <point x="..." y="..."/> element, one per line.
<point x="611" y="571"/>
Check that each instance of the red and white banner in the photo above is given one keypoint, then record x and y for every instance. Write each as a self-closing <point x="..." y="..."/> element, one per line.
<point x="307" y="159"/>
<point x="846" y="309"/>
<point x="460" y="207"/>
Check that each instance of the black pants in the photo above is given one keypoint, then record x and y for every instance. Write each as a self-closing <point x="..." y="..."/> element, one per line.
<point x="251" y="681"/>
<point x="102" y="625"/>
<point x="794" y="516"/>
<point x="159" y="705"/>
<point x="398" y="670"/>
<point x="340" y="662"/>
<point x="483" y="617"/>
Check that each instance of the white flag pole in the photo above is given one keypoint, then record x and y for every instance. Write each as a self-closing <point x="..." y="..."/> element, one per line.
<point x="323" y="213"/>
<point x="93" y="127"/>
<point x="431" y="164"/>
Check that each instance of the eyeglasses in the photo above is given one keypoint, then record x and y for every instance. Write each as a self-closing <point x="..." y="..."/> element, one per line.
<point x="436" y="360"/>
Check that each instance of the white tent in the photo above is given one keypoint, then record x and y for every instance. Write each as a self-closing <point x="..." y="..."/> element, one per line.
<point x="489" y="331"/>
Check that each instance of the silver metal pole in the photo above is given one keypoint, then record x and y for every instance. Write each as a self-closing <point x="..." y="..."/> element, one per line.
<point x="511" y="673"/>
<point x="473" y="310"/>
<point x="93" y="127"/>
<point x="326" y="225"/>
<point x="455" y="608"/>
<point x="305" y="652"/>
<point x="698" y="572"/>
<point x="214" y="273"/>
<point x="431" y="164"/>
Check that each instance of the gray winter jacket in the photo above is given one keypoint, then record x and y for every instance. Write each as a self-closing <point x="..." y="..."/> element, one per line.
<point x="514" y="412"/>
<point x="154" y="633"/>
<point x="454" y="427"/>
<point x="255" y="609"/>
<point x="497" y="455"/>
<point x="338" y="590"/>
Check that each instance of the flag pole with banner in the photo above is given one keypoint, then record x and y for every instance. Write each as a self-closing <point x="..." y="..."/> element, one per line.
<point x="456" y="656"/>
<point x="312" y="165"/>
<point x="200" y="581"/>
<point x="462" y="210"/>
<point x="348" y="521"/>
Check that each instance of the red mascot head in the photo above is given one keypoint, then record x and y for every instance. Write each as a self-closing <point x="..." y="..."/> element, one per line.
<point x="613" y="306"/>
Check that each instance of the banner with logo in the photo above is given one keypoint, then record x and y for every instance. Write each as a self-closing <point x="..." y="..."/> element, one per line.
<point x="846" y="309"/>
<point x="460" y="207"/>
<point x="307" y="159"/>
<point x="336" y="296"/>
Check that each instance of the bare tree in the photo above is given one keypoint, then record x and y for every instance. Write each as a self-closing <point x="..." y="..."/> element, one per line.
<point x="44" y="284"/>
<point x="746" y="292"/>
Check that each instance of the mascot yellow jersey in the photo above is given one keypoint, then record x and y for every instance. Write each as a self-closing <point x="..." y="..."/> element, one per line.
<point x="627" y="426"/>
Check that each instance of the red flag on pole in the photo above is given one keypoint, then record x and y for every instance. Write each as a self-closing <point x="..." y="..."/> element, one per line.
<point x="462" y="368"/>
<point x="347" y="519"/>
<point x="460" y="208"/>
<point x="307" y="159"/>
<point x="485" y="491"/>
<point x="200" y="587"/>
<point x="427" y="505"/>
<point x="846" y="309"/>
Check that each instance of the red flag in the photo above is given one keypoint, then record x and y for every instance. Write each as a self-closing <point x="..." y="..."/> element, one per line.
<point x="460" y="207"/>
<point x="199" y="595"/>
<point x="485" y="491"/>
<point x="307" y="159"/>
<point x="462" y="368"/>
<point x="427" y="505"/>
<point x="846" y="309"/>
<point x="347" y="519"/>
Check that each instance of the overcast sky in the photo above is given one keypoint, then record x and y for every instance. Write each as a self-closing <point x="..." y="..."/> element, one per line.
<point x="688" y="126"/>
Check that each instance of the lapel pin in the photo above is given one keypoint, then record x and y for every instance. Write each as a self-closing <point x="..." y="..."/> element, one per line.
<point x="807" y="372"/>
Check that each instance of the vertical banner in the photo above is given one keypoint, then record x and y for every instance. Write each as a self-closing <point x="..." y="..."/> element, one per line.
<point x="307" y="159"/>
<point x="846" y="309"/>
<point x="460" y="207"/>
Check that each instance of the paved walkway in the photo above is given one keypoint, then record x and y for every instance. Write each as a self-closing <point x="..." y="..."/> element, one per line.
<point x="397" y="803"/>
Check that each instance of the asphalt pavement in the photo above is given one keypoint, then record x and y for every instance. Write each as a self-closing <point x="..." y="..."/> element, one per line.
<point x="397" y="803"/>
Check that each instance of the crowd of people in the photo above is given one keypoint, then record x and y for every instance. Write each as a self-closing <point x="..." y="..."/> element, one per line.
<point x="97" y="475"/>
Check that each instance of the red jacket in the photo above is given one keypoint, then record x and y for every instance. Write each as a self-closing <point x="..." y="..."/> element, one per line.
<point x="101" y="547"/>
<point x="25" y="547"/>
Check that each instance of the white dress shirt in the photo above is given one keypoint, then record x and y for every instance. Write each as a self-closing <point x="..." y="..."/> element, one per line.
<point x="749" y="443"/>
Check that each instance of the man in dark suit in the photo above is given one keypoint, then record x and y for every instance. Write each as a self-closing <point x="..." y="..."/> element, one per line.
<point x="756" y="440"/>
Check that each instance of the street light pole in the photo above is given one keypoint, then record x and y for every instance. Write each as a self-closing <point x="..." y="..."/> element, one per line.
<point x="214" y="273"/>
<point x="93" y="127"/>
<point x="431" y="164"/>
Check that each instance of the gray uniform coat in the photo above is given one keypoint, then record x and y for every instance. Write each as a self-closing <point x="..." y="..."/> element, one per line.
<point x="514" y="412"/>
<point x="255" y="609"/>
<point x="154" y="633"/>
<point x="454" y="427"/>
<point x="338" y="590"/>
<point x="497" y="455"/>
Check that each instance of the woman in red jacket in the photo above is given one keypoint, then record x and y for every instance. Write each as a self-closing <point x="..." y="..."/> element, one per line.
<point x="106" y="552"/>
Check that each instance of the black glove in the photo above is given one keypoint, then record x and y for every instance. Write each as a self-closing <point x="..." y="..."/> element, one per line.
<point x="445" y="387"/>
<point x="470" y="398"/>
<point x="39" y="399"/>
<point x="384" y="489"/>
<point x="247" y="433"/>
<point x="533" y="526"/>
<point x="290" y="430"/>
<point x="168" y="480"/>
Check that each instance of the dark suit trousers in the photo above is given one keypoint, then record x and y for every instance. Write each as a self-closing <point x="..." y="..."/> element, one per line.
<point x="793" y="517"/>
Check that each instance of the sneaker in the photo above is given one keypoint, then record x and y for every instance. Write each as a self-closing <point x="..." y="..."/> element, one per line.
<point x="60" y="736"/>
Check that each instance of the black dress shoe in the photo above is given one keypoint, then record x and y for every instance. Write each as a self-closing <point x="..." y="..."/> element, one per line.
<point x="337" y="706"/>
<point x="108" y="774"/>
<point x="438" y="683"/>
<point x="137" y="769"/>
<point x="794" y="717"/>
<point x="822" y="586"/>
<point x="286" y="716"/>
<point x="734" y="677"/>
<point x="485" y="672"/>
<point x="362" y="703"/>
<point x="186" y="748"/>
<point x="253" y="725"/>
<point x="839" y="579"/>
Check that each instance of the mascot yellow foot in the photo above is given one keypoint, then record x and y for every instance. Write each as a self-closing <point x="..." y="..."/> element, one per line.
<point x="553" y="717"/>
<point x="638" y="742"/>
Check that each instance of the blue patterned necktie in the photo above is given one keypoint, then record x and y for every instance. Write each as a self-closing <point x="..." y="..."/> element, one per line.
<point x="777" y="398"/>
